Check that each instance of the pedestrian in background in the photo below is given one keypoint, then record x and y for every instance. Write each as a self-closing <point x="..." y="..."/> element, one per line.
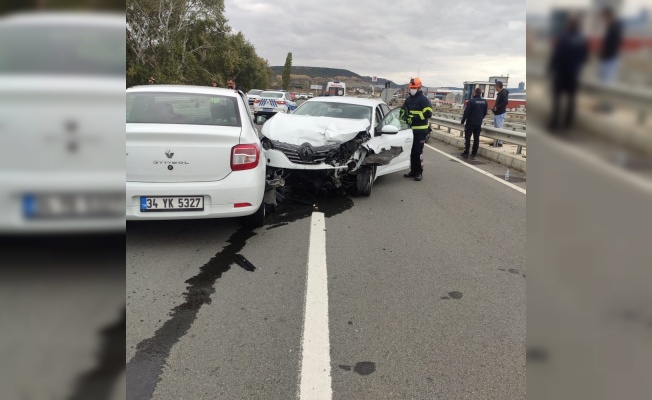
<point x="474" y="113"/>
<point x="568" y="57"/>
<point x="609" y="61"/>
<point x="214" y="84"/>
<point x="230" y="83"/>
<point x="416" y="111"/>
<point x="151" y="80"/>
<point x="500" y="108"/>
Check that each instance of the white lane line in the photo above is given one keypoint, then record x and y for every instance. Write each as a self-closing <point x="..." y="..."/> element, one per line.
<point x="504" y="182"/>
<point x="315" y="344"/>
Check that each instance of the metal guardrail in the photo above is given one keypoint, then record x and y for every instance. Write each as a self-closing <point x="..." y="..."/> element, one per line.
<point x="637" y="98"/>
<point x="506" y="135"/>
<point x="514" y="126"/>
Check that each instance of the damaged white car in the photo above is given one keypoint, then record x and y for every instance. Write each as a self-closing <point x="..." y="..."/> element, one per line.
<point x="336" y="143"/>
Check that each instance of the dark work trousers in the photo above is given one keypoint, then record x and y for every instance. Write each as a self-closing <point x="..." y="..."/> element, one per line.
<point x="416" y="156"/>
<point x="556" y="118"/>
<point x="475" y="131"/>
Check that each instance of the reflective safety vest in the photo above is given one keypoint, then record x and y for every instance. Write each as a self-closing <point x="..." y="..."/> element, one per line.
<point x="416" y="111"/>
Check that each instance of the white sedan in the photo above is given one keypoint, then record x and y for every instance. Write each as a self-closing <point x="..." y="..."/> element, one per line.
<point x="337" y="142"/>
<point x="61" y="110"/>
<point x="271" y="102"/>
<point x="192" y="152"/>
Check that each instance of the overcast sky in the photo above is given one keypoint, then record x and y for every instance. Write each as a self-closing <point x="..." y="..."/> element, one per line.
<point x="448" y="42"/>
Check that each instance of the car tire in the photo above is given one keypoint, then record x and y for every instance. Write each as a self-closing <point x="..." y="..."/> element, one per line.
<point x="257" y="219"/>
<point x="365" y="181"/>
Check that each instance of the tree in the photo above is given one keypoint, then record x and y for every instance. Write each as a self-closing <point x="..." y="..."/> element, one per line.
<point x="287" y="71"/>
<point x="188" y="42"/>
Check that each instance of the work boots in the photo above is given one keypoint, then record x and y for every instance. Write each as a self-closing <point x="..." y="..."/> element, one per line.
<point x="410" y="174"/>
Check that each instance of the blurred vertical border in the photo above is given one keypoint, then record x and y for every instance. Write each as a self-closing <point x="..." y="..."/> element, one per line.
<point x="62" y="281"/>
<point x="589" y="297"/>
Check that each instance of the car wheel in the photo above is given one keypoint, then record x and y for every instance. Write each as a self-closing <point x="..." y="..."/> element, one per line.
<point x="257" y="219"/>
<point x="365" y="181"/>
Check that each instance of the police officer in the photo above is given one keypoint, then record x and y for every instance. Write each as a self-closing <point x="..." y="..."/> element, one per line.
<point x="416" y="111"/>
<point x="474" y="113"/>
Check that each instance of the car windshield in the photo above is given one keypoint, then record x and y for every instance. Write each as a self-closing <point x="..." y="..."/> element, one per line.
<point x="255" y="92"/>
<point x="272" y="95"/>
<point x="62" y="50"/>
<point x="335" y="110"/>
<point x="182" y="108"/>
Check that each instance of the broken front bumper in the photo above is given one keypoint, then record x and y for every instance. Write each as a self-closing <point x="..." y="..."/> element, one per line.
<point x="277" y="159"/>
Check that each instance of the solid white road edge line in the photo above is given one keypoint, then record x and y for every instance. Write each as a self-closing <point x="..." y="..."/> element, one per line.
<point x="520" y="189"/>
<point x="315" y="343"/>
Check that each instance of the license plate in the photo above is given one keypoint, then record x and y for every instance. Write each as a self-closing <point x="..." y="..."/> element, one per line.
<point x="73" y="205"/>
<point x="268" y="109"/>
<point x="172" y="203"/>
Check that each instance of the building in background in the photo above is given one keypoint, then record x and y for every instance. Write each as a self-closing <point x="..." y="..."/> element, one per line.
<point x="516" y="100"/>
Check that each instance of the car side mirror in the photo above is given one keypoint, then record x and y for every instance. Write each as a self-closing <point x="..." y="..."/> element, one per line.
<point x="389" y="130"/>
<point x="261" y="119"/>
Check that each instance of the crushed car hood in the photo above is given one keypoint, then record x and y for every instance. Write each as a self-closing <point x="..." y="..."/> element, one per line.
<point x="318" y="131"/>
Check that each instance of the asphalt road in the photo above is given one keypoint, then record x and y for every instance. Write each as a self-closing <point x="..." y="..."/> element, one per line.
<point x="426" y="295"/>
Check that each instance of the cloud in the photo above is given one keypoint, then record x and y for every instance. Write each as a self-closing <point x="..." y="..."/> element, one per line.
<point x="446" y="42"/>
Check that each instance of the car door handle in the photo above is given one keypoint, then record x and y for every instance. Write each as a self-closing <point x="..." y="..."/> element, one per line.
<point x="408" y="140"/>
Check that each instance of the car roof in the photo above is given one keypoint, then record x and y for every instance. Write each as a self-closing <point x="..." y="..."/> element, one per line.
<point x="53" y="18"/>
<point x="182" y="89"/>
<point x="274" y="91"/>
<point x="347" y="100"/>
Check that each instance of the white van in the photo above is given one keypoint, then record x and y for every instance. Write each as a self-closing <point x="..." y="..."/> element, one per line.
<point x="335" y="89"/>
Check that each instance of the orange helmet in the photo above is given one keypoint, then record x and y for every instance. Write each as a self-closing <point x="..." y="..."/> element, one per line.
<point x="415" y="83"/>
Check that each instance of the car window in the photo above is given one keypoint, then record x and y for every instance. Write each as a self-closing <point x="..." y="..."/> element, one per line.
<point x="335" y="110"/>
<point x="393" y="118"/>
<point x="62" y="50"/>
<point x="384" y="108"/>
<point x="250" y="116"/>
<point x="379" y="116"/>
<point x="254" y="92"/>
<point x="182" y="108"/>
<point x="272" y="95"/>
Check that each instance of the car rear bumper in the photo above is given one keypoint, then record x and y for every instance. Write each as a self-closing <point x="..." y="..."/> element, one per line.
<point x="220" y="197"/>
<point x="15" y="187"/>
<point x="266" y="110"/>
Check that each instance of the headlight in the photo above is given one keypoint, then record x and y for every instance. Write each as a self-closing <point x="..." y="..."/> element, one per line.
<point x="267" y="144"/>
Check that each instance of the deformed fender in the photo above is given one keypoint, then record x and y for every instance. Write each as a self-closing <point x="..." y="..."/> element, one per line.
<point x="271" y="184"/>
<point x="384" y="157"/>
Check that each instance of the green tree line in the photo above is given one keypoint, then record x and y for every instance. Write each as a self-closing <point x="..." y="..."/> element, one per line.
<point x="189" y="42"/>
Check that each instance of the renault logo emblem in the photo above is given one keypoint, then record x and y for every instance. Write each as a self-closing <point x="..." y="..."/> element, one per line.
<point x="306" y="153"/>
<point x="169" y="153"/>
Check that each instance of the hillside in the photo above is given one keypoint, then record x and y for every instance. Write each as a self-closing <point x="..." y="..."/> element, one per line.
<point x="319" y="75"/>
<point x="317" y="72"/>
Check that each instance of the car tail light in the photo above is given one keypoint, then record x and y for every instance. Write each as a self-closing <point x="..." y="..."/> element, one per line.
<point x="240" y="205"/>
<point x="257" y="101"/>
<point x="245" y="156"/>
<point x="281" y="102"/>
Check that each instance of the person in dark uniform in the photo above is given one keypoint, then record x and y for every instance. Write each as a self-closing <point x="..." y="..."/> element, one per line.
<point x="565" y="66"/>
<point x="474" y="113"/>
<point x="416" y="111"/>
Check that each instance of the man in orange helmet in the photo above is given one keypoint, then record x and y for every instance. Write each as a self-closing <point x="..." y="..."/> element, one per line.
<point x="416" y="111"/>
